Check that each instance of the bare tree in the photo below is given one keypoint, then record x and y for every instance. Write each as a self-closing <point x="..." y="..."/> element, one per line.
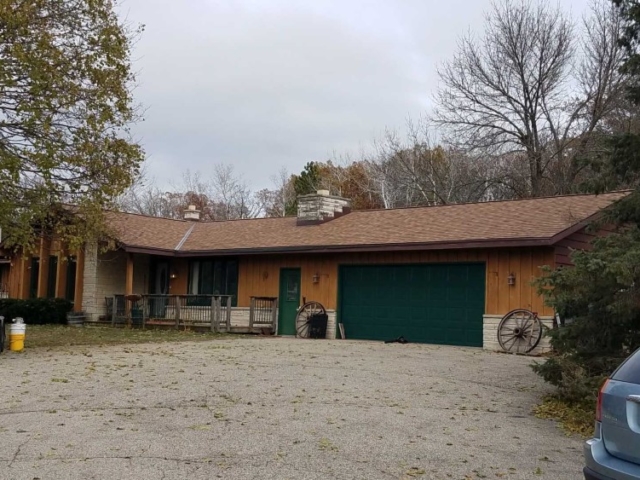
<point x="146" y="198"/>
<point x="417" y="171"/>
<point x="223" y="196"/>
<point x="152" y="201"/>
<point x="231" y="196"/>
<point x="277" y="202"/>
<point x="528" y="90"/>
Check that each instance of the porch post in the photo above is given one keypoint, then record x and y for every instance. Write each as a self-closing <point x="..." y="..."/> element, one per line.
<point x="274" y="315"/>
<point x="252" y="311"/>
<point x="24" y="262"/>
<point x="128" y="284"/>
<point x="43" y="271"/>
<point x="178" y="311"/>
<point x="114" y="310"/>
<point x="214" y="320"/>
<point x="77" y="295"/>
<point x="61" y="273"/>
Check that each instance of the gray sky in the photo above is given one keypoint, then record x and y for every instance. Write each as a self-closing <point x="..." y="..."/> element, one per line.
<point x="262" y="84"/>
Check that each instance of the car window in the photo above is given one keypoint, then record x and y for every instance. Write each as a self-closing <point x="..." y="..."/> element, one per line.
<point x="629" y="371"/>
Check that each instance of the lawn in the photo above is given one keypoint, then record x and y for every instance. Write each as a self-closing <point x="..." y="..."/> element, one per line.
<point x="63" y="336"/>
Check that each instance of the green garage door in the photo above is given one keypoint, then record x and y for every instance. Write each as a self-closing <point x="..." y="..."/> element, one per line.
<point x="434" y="303"/>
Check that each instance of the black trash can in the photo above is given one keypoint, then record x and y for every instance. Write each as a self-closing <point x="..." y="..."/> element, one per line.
<point x="318" y="325"/>
<point x="136" y="315"/>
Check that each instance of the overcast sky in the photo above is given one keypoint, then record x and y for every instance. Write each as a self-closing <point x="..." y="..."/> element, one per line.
<point x="262" y="84"/>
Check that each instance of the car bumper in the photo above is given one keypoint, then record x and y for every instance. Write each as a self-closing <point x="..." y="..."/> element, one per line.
<point x="591" y="475"/>
<point x="600" y="465"/>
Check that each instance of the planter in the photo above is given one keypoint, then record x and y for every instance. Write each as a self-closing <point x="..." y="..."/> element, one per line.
<point x="76" y="319"/>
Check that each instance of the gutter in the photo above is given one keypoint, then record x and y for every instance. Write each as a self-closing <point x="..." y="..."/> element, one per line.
<point x="466" y="244"/>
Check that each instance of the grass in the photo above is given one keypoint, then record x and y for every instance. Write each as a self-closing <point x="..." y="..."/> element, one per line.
<point x="38" y="336"/>
<point x="573" y="418"/>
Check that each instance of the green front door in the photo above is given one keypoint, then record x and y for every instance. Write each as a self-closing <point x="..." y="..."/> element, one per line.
<point x="426" y="303"/>
<point x="289" y="300"/>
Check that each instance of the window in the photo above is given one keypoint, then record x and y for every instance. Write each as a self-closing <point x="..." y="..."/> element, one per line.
<point x="214" y="276"/>
<point x="629" y="371"/>
<point x="70" y="290"/>
<point x="33" y="278"/>
<point x="52" y="276"/>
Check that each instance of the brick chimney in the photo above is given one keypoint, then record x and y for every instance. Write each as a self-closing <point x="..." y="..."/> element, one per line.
<point x="321" y="207"/>
<point x="192" y="214"/>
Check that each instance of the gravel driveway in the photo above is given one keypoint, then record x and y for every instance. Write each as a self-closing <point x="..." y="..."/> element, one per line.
<point x="276" y="408"/>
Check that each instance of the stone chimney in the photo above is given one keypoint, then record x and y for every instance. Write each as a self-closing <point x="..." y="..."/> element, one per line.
<point x="321" y="207"/>
<point x="192" y="214"/>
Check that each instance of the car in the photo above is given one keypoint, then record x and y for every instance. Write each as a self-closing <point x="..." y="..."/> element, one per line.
<point x="614" y="451"/>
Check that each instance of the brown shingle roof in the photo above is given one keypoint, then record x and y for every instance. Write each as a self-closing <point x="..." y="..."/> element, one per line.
<point x="519" y="222"/>
<point x="148" y="232"/>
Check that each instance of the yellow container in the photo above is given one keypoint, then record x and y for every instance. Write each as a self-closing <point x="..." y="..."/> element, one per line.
<point x="16" y="342"/>
<point x="16" y="336"/>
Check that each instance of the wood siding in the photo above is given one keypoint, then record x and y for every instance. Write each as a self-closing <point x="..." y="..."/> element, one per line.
<point x="259" y="275"/>
<point x="20" y="272"/>
<point x="581" y="240"/>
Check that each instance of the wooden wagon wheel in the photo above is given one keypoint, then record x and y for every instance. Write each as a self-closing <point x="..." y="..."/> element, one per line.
<point x="304" y="315"/>
<point x="519" y="331"/>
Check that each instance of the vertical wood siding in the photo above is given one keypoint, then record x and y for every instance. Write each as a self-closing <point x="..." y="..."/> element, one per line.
<point x="19" y="277"/>
<point x="259" y="275"/>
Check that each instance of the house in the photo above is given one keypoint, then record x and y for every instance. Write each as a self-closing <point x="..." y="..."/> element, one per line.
<point x="443" y="274"/>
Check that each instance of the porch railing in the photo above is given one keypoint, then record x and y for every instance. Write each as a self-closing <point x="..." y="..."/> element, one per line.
<point x="263" y="312"/>
<point x="177" y="310"/>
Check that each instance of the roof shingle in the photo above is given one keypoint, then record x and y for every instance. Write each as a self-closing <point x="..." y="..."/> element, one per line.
<point x="538" y="219"/>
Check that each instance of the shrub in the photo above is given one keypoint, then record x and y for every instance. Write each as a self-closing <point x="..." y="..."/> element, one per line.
<point x="601" y="295"/>
<point x="36" y="311"/>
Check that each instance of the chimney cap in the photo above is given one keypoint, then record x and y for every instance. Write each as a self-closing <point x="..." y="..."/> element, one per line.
<point x="192" y="214"/>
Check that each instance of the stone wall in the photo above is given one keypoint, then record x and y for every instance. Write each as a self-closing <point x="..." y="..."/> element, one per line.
<point x="490" y="334"/>
<point x="105" y="276"/>
<point x="89" y="281"/>
<point x="332" y="325"/>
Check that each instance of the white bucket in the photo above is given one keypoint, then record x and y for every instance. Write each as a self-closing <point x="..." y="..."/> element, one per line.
<point x="17" y="328"/>
<point x="16" y="335"/>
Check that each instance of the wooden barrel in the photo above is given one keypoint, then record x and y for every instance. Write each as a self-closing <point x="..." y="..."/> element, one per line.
<point x="76" y="319"/>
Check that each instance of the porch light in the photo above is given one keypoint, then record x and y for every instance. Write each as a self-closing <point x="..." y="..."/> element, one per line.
<point x="173" y="275"/>
<point x="316" y="278"/>
<point x="511" y="279"/>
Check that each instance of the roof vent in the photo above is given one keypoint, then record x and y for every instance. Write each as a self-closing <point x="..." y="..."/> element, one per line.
<point x="192" y="214"/>
<point x="321" y="207"/>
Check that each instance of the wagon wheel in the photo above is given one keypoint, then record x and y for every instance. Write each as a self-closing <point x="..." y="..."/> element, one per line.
<point x="519" y="331"/>
<point x="304" y="314"/>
